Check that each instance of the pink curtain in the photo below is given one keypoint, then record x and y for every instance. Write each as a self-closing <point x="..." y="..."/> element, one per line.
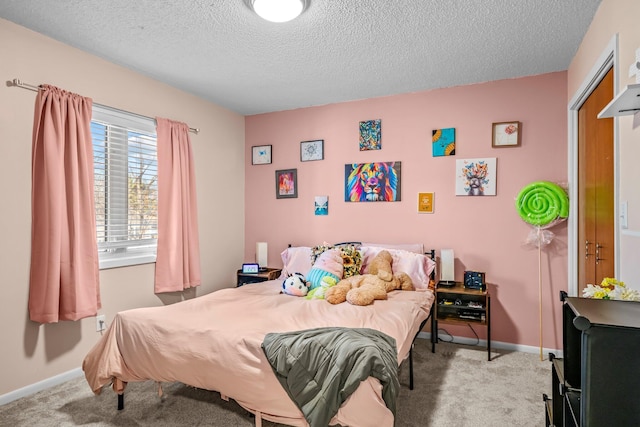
<point x="178" y="259"/>
<point x="64" y="282"/>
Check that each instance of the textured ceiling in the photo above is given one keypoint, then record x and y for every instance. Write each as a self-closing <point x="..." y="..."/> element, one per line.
<point x="335" y="51"/>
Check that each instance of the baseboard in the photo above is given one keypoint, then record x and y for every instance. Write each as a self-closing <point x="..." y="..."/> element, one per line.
<point x="41" y="385"/>
<point x="496" y="344"/>
<point x="75" y="373"/>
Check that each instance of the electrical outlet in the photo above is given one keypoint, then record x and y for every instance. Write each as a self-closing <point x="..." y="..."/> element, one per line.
<point x="101" y="322"/>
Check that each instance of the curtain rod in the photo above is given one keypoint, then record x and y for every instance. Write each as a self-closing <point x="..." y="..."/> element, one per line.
<point x="20" y="84"/>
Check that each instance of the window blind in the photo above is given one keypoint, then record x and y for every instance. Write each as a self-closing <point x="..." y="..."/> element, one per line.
<point x="126" y="186"/>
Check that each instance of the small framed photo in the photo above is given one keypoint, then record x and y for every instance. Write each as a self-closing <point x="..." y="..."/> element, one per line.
<point x="312" y="150"/>
<point x="287" y="184"/>
<point x="506" y="134"/>
<point x="425" y="202"/>
<point x="261" y="155"/>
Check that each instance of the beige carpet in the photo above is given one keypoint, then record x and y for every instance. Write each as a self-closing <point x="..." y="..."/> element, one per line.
<point x="454" y="387"/>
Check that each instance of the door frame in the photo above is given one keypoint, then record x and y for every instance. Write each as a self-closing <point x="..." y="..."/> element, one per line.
<point x="607" y="59"/>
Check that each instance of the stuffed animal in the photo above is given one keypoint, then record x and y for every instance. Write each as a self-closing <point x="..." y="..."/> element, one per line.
<point x="363" y="289"/>
<point x="319" y="292"/>
<point x="295" y="284"/>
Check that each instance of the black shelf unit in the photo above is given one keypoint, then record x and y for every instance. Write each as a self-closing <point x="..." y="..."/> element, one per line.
<point x="596" y="383"/>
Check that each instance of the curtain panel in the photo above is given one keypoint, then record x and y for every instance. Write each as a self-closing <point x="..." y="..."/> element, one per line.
<point x="64" y="272"/>
<point x="178" y="259"/>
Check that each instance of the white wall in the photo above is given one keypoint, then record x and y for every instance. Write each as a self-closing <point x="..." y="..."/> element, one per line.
<point x="618" y="17"/>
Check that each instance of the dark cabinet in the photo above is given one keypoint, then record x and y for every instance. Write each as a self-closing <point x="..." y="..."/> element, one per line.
<point x="261" y="276"/>
<point x="460" y="305"/>
<point x="596" y="382"/>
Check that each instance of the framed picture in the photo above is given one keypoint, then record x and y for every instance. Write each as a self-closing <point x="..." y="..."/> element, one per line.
<point x="371" y="135"/>
<point x="287" y="184"/>
<point x="261" y="155"/>
<point x="312" y="150"/>
<point x="321" y="205"/>
<point x="425" y="202"/>
<point x="476" y="177"/>
<point x="372" y="182"/>
<point x="506" y="134"/>
<point x="443" y="142"/>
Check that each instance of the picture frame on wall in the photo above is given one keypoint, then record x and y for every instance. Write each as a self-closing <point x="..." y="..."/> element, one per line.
<point x="384" y="185"/>
<point x="261" y="155"/>
<point x="425" y="202"/>
<point x="506" y="134"/>
<point x="312" y="150"/>
<point x="476" y="177"/>
<point x="370" y="135"/>
<point x="287" y="184"/>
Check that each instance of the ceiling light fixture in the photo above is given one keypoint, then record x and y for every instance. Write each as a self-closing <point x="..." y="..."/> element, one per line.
<point x="278" y="10"/>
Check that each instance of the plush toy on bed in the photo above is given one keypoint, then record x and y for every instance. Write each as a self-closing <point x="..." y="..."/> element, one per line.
<point x="295" y="284"/>
<point x="319" y="292"/>
<point x="363" y="289"/>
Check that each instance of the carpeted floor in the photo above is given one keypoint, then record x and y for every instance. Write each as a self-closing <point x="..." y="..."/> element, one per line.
<point x="454" y="387"/>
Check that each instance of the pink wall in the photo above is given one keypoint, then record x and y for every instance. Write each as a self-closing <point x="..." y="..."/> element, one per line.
<point x="485" y="233"/>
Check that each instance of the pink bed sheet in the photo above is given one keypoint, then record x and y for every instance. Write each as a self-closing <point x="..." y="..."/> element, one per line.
<point x="214" y="342"/>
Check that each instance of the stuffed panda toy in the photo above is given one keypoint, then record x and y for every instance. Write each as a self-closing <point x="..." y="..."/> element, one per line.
<point x="296" y="284"/>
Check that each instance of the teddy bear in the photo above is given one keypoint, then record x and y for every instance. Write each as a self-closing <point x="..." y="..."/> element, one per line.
<point x="363" y="289"/>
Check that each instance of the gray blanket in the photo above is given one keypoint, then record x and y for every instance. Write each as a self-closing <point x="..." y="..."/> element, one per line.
<point x="320" y="368"/>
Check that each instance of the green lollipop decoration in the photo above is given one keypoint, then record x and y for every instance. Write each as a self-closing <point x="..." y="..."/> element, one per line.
<point x="542" y="203"/>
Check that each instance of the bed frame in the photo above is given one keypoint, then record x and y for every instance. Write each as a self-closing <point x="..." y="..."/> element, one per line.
<point x="431" y="254"/>
<point x="431" y="317"/>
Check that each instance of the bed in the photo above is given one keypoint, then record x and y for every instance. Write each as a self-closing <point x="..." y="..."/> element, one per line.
<point x="214" y="342"/>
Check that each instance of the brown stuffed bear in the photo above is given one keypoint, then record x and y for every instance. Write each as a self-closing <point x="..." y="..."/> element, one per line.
<point x="363" y="289"/>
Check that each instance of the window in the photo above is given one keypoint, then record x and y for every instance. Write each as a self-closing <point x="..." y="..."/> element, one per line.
<point x="125" y="187"/>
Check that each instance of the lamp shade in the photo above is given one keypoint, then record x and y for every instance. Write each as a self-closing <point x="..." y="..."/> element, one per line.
<point x="278" y="10"/>
<point x="262" y="254"/>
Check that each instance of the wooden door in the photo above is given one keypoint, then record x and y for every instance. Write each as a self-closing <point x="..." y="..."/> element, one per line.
<point x="596" y="221"/>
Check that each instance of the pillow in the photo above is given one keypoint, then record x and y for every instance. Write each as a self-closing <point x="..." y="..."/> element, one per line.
<point x="351" y="259"/>
<point x="417" y="248"/>
<point x="418" y="266"/>
<point x="296" y="260"/>
<point x="328" y="264"/>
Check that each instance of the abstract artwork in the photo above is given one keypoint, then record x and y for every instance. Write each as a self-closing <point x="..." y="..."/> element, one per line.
<point x="287" y="184"/>
<point x="476" y="177"/>
<point x="443" y="142"/>
<point x="372" y="182"/>
<point x="370" y="135"/>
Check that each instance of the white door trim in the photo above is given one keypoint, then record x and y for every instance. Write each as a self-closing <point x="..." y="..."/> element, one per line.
<point x="608" y="58"/>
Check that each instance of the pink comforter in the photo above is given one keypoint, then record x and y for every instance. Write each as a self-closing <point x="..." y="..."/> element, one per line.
<point x="214" y="342"/>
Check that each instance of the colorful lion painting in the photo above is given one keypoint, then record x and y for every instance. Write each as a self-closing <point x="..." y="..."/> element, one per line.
<point x="372" y="182"/>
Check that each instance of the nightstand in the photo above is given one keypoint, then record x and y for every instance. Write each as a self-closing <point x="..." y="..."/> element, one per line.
<point x="261" y="276"/>
<point x="460" y="305"/>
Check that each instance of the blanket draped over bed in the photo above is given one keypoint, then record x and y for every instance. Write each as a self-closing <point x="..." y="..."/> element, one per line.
<point x="320" y="368"/>
<point x="214" y="342"/>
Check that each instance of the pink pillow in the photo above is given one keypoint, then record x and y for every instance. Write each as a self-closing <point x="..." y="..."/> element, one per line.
<point x="296" y="260"/>
<point x="418" y="266"/>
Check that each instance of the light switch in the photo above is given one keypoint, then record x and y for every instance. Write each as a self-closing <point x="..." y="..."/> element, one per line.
<point x="623" y="215"/>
